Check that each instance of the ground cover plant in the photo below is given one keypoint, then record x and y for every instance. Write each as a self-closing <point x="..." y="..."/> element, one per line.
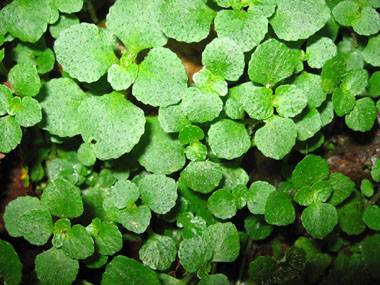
<point x="141" y="128"/>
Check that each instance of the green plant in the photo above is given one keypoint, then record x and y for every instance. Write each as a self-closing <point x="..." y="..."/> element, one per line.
<point x="124" y="146"/>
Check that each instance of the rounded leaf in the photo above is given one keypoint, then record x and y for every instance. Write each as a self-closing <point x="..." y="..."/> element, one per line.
<point x="85" y="52"/>
<point x="158" y="252"/>
<point x="161" y="80"/>
<point x="78" y="243"/>
<point x="225" y="58"/>
<point x="319" y="50"/>
<point x="276" y="138"/>
<point x="36" y="226"/>
<point x="111" y="123"/>
<point x="247" y="29"/>
<point x="257" y="228"/>
<point x="59" y="120"/>
<point x="54" y="267"/>
<point x="228" y="139"/>
<point x="158" y="192"/>
<point x="24" y="79"/>
<point x="363" y="115"/>
<point x="222" y="204"/>
<point x="10" y="264"/>
<point x="29" y="113"/>
<point x="279" y="209"/>
<point x="157" y="151"/>
<point x="371" y="217"/>
<point x="62" y="199"/>
<point x="10" y="134"/>
<point x="309" y="170"/>
<point x="194" y="253"/>
<point x="185" y="21"/>
<point x="299" y="19"/>
<point x="202" y="176"/>
<point x="319" y="219"/>
<point x="257" y="196"/>
<point x="135" y="24"/>
<point x="289" y="100"/>
<point x="371" y="51"/>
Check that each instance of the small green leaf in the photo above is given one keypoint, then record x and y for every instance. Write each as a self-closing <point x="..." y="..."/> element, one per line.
<point x="212" y="82"/>
<point x="84" y="52"/>
<point x="158" y="252"/>
<point x="78" y="243"/>
<point x="223" y="238"/>
<point x="111" y="123"/>
<point x="268" y="55"/>
<point x="157" y="151"/>
<point x="351" y="216"/>
<point x="29" y="113"/>
<point x="308" y="123"/>
<point x="136" y="219"/>
<point x="257" y="196"/>
<point x="363" y="115"/>
<point x="24" y="79"/>
<point x="49" y="265"/>
<point x="172" y="118"/>
<point x="202" y="176"/>
<point x="201" y="105"/>
<point x="121" y="77"/>
<point x="299" y="19"/>
<point x="65" y="21"/>
<point x="247" y="29"/>
<point x="342" y="188"/>
<point x="370" y="52"/>
<point x="367" y="22"/>
<point x="196" y="151"/>
<point x="310" y="170"/>
<point x="194" y="253"/>
<point x="261" y="269"/>
<point x="311" y="85"/>
<point x="36" y="226"/>
<point x="162" y="74"/>
<point x="319" y="219"/>
<point x="5" y="99"/>
<point x="158" y="192"/>
<point x="26" y="20"/>
<point x="319" y="50"/>
<point x="61" y="227"/>
<point x="371" y="217"/>
<point x="193" y="226"/>
<point x="107" y="237"/>
<point x="69" y="6"/>
<point x="374" y="85"/>
<point x="257" y="228"/>
<point x="124" y="270"/>
<point x="367" y="188"/>
<point x="343" y="102"/>
<point x="332" y="72"/>
<point x="355" y="81"/>
<point x="190" y="133"/>
<point x="257" y="102"/>
<point x="124" y="193"/>
<point x="141" y="33"/>
<point x="194" y="22"/>
<point x="62" y="199"/>
<point x="54" y="94"/>
<point x="86" y="154"/>
<point x="222" y="204"/>
<point x="289" y="100"/>
<point x="10" y="134"/>
<point x="17" y="208"/>
<point x="345" y="11"/>
<point x="276" y="138"/>
<point x="225" y="58"/>
<point x="45" y="61"/>
<point x="10" y="264"/>
<point x="279" y="210"/>
<point x="375" y="171"/>
<point x="370" y="255"/>
<point x="228" y="139"/>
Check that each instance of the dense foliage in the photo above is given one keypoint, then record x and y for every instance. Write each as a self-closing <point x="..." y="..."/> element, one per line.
<point x="123" y="145"/>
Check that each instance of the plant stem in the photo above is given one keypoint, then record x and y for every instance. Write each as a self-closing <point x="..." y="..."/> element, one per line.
<point x="373" y="200"/>
<point x="91" y="11"/>
<point x="246" y="255"/>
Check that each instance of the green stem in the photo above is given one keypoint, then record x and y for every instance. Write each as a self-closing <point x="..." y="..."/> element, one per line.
<point x="373" y="200"/>
<point x="187" y="278"/>
<point x="92" y="12"/>
<point x="246" y="255"/>
<point x="354" y="41"/>
<point x="3" y="70"/>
